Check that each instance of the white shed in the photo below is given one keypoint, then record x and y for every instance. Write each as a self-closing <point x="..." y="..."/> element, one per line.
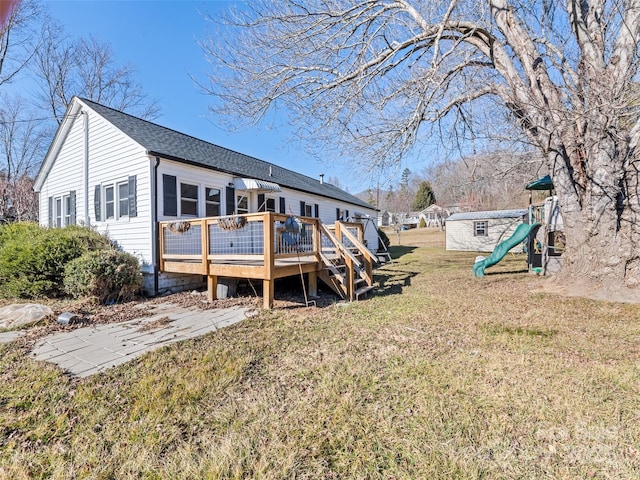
<point x="482" y="231"/>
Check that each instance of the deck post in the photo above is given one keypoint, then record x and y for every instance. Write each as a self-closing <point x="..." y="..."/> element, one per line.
<point x="313" y="284"/>
<point x="161" y="246"/>
<point x="269" y="261"/>
<point x="267" y="294"/>
<point x="212" y="287"/>
<point x="204" y="240"/>
<point x="350" y="274"/>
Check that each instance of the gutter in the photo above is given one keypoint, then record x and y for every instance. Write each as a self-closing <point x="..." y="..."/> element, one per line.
<point x="85" y="167"/>
<point x="155" y="250"/>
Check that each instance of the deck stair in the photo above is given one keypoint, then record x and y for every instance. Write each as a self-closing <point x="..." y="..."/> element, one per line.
<point x="348" y="270"/>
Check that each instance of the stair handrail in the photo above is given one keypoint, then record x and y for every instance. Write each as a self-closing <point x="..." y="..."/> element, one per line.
<point x="359" y="245"/>
<point x="339" y="245"/>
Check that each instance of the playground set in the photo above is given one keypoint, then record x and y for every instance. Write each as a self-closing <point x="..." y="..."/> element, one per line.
<point x="543" y="233"/>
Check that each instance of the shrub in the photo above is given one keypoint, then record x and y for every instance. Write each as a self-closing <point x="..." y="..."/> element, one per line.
<point x="107" y="275"/>
<point x="423" y="223"/>
<point x="33" y="258"/>
<point x="383" y="240"/>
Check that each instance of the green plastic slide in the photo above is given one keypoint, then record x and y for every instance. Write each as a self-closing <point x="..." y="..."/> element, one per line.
<point x="520" y="235"/>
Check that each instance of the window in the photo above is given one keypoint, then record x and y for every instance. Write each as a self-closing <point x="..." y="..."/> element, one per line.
<point x="58" y="218"/>
<point x="62" y="210"/>
<point x="212" y="202"/>
<point x="188" y="200"/>
<point x="480" y="229"/>
<point x="266" y="204"/>
<point x="271" y="204"/>
<point x="109" y="203"/>
<point x="242" y="204"/>
<point x="306" y="209"/>
<point x="66" y="200"/>
<point x="123" y="199"/>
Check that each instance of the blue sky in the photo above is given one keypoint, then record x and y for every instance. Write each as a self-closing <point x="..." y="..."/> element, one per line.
<point x="159" y="39"/>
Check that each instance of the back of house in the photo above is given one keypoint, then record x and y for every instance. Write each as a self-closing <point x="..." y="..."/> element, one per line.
<point x="122" y="175"/>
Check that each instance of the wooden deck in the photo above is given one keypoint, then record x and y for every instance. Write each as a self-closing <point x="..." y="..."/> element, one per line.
<point x="260" y="246"/>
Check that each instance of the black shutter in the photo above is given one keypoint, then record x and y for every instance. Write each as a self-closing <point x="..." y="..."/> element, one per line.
<point x="133" y="197"/>
<point x="316" y="210"/>
<point x="346" y="215"/>
<point x="230" y="198"/>
<point x="51" y="211"/>
<point x="96" y="202"/>
<point x="337" y="214"/>
<point x="283" y="208"/>
<point x="72" y="206"/>
<point x="262" y="207"/>
<point x="169" y="195"/>
<point x="302" y="212"/>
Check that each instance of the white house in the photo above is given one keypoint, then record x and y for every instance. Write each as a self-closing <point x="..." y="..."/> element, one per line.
<point x="122" y="175"/>
<point x="482" y="231"/>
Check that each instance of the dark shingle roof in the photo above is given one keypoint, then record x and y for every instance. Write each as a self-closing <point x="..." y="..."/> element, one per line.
<point x="167" y="143"/>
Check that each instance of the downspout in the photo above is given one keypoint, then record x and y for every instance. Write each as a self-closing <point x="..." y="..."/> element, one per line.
<point x="85" y="168"/>
<point x="155" y="251"/>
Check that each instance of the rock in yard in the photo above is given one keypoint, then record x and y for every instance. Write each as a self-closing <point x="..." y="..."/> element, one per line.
<point x="20" y="314"/>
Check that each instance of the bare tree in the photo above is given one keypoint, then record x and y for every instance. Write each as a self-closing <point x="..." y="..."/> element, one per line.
<point x="375" y="75"/>
<point x="23" y="142"/>
<point x="85" y="67"/>
<point x="23" y="138"/>
<point x="20" y="37"/>
<point x="486" y="181"/>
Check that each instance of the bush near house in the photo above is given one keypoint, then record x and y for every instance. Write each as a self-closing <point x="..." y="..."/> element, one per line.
<point x="33" y="259"/>
<point x="107" y="275"/>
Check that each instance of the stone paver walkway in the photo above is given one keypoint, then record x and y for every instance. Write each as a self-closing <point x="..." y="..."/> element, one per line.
<point x="89" y="350"/>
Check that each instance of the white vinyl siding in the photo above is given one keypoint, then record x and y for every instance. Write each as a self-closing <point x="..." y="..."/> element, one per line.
<point x="461" y="234"/>
<point x="114" y="158"/>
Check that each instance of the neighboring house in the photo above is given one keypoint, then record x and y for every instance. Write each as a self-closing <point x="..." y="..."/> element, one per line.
<point x="482" y="231"/>
<point x="123" y="175"/>
<point x="384" y="219"/>
<point x="434" y="215"/>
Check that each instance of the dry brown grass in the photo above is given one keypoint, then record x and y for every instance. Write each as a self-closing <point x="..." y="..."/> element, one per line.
<point x="439" y="375"/>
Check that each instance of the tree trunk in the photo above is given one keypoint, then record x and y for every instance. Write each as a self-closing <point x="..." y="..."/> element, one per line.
<point x="599" y="202"/>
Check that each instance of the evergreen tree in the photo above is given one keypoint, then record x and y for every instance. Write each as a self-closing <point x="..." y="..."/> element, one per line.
<point x="424" y="196"/>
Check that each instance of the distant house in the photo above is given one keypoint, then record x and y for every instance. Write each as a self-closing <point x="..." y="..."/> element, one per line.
<point x="384" y="219"/>
<point x="434" y="215"/>
<point x="482" y="231"/>
<point x="123" y="175"/>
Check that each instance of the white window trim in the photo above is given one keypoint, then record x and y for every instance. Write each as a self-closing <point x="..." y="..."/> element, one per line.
<point x="199" y="188"/>
<point x="118" y="213"/>
<point x="219" y="202"/>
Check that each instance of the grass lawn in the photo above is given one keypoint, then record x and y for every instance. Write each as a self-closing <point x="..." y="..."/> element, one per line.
<point x="439" y="375"/>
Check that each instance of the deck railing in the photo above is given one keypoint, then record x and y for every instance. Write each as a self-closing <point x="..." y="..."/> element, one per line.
<point x="237" y="238"/>
<point x="265" y="246"/>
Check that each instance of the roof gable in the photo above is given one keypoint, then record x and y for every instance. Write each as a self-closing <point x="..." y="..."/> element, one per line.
<point x="170" y="144"/>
